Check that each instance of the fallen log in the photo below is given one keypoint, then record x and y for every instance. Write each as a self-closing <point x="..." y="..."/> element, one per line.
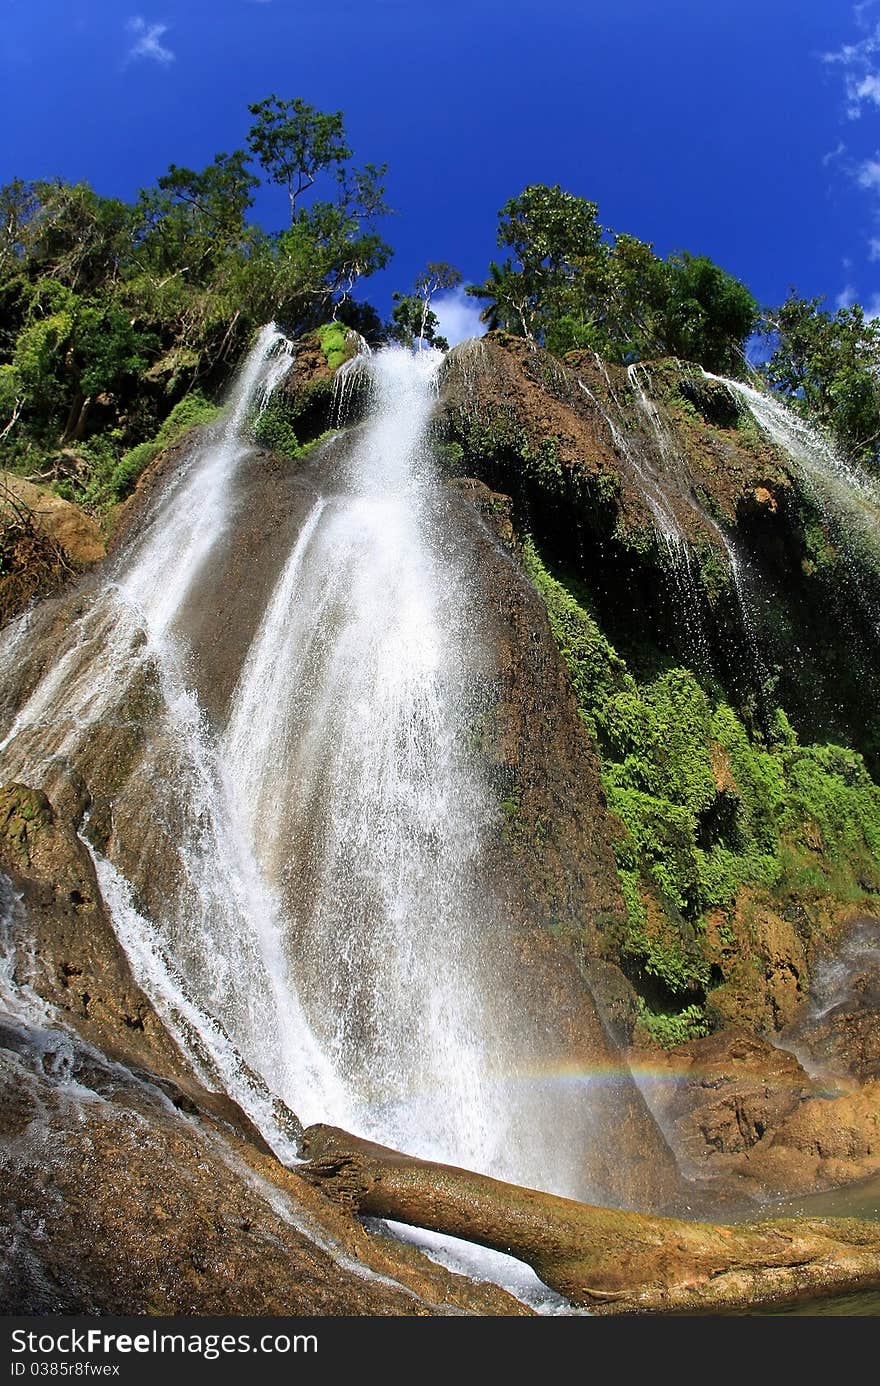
<point x="606" y="1259"/>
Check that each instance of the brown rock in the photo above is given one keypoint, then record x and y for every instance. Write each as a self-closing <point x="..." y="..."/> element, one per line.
<point x="72" y="529"/>
<point x="718" y="1097"/>
<point x="113" y="1202"/>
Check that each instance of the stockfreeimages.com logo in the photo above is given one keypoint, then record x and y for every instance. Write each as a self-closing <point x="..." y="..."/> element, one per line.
<point x="92" y="1342"/>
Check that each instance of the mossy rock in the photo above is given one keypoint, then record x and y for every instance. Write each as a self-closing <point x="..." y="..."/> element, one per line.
<point x="23" y="812"/>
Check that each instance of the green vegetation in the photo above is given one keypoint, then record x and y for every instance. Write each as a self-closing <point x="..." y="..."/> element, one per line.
<point x="827" y="367"/>
<point x="413" y="320"/>
<point x="114" y="314"/>
<point x="113" y="482"/>
<point x="331" y="335"/>
<point x="707" y="808"/>
<point x="570" y="284"/>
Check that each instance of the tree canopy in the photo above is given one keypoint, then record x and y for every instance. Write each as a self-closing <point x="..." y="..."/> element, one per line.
<point x="828" y="366"/>
<point x="569" y="283"/>
<point x="111" y="311"/>
<point x="413" y="320"/>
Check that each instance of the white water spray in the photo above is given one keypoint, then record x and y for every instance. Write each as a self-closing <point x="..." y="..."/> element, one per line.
<point x="847" y="497"/>
<point x="348" y="746"/>
<point x="213" y="950"/>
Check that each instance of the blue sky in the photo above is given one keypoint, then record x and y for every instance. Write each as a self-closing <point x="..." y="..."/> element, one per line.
<point x="747" y="130"/>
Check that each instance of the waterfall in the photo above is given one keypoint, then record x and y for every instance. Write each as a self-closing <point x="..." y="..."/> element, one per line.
<point x="300" y="890"/>
<point x="348" y="744"/>
<point x="209" y="958"/>
<point x="674" y="465"/>
<point x="195" y="511"/>
<point x="654" y="489"/>
<point x="845" y="495"/>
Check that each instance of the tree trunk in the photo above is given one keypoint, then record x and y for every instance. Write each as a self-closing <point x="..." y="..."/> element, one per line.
<point x="609" y="1260"/>
<point x="76" y="418"/>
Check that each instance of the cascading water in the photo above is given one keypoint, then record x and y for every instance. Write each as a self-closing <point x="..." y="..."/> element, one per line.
<point x="670" y="454"/>
<point x="218" y="926"/>
<point x="322" y="930"/>
<point x="846" y="496"/>
<point x="654" y="490"/>
<point x="348" y="742"/>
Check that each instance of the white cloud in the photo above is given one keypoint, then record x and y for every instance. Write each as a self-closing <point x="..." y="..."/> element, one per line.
<point x="833" y="154"/>
<point x="868" y="89"/>
<point x="874" y="248"/>
<point x="868" y="174"/>
<point x="148" y="41"/>
<point x="846" y="298"/>
<point x="861" y="64"/>
<point x="458" y="316"/>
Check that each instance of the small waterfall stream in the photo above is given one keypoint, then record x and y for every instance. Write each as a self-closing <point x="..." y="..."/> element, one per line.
<point x="846" y="496"/>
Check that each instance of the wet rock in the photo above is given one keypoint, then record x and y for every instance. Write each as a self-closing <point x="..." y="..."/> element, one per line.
<point x="838" y="1033"/>
<point x="115" y="1201"/>
<point x="827" y="1142"/>
<point x="718" y="1097"/>
<point x="64" y="945"/>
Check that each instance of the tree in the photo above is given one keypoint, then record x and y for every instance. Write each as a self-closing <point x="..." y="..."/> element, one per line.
<point x="217" y="198"/>
<point x="412" y="319"/>
<point x="570" y="284"/>
<point x="413" y="324"/>
<point x="828" y="366"/>
<point x="558" y="257"/>
<point x="706" y="314"/>
<point x="437" y="275"/>
<point x="110" y="312"/>
<point x="293" y="143"/>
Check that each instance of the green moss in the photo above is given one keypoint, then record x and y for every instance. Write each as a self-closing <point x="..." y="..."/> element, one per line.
<point x="306" y="448"/>
<point x="273" y="430"/>
<point x="449" y="459"/>
<point x="125" y="474"/>
<point x="706" y="806"/>
<point x="332" y="337"/>
<point x="193" y="411"/>
<point x="541" y="464"/>
<point x="597" y="671"/>
<point x="113" y="480"/>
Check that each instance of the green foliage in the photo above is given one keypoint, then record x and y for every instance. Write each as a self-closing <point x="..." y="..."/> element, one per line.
<point x="597" y="671"/>
<point x="705" y="807"/>
<point x="570" y="285"/>
<point x="128" y="469"/>
<point x="10" y="389"/>
<point x="273" y="430"/>
<point x="669" y="1028"/>
<point x="332" y="335"/>
<point x="110" y="312"/>
<point x="827" y="366"/>
<point x="193" y="411"/>
<point x="293" y="142"/>
<point x="113" y="481"/>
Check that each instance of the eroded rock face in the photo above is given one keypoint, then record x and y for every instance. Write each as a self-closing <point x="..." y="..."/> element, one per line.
<point x="70" y="527"/>
<point x="719" y="1097"/>
<point x="115" y="1201"/>
<point x="825" y="1143"/>
<point x="747" y="1116"/>
<point x="63" y="942"/>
